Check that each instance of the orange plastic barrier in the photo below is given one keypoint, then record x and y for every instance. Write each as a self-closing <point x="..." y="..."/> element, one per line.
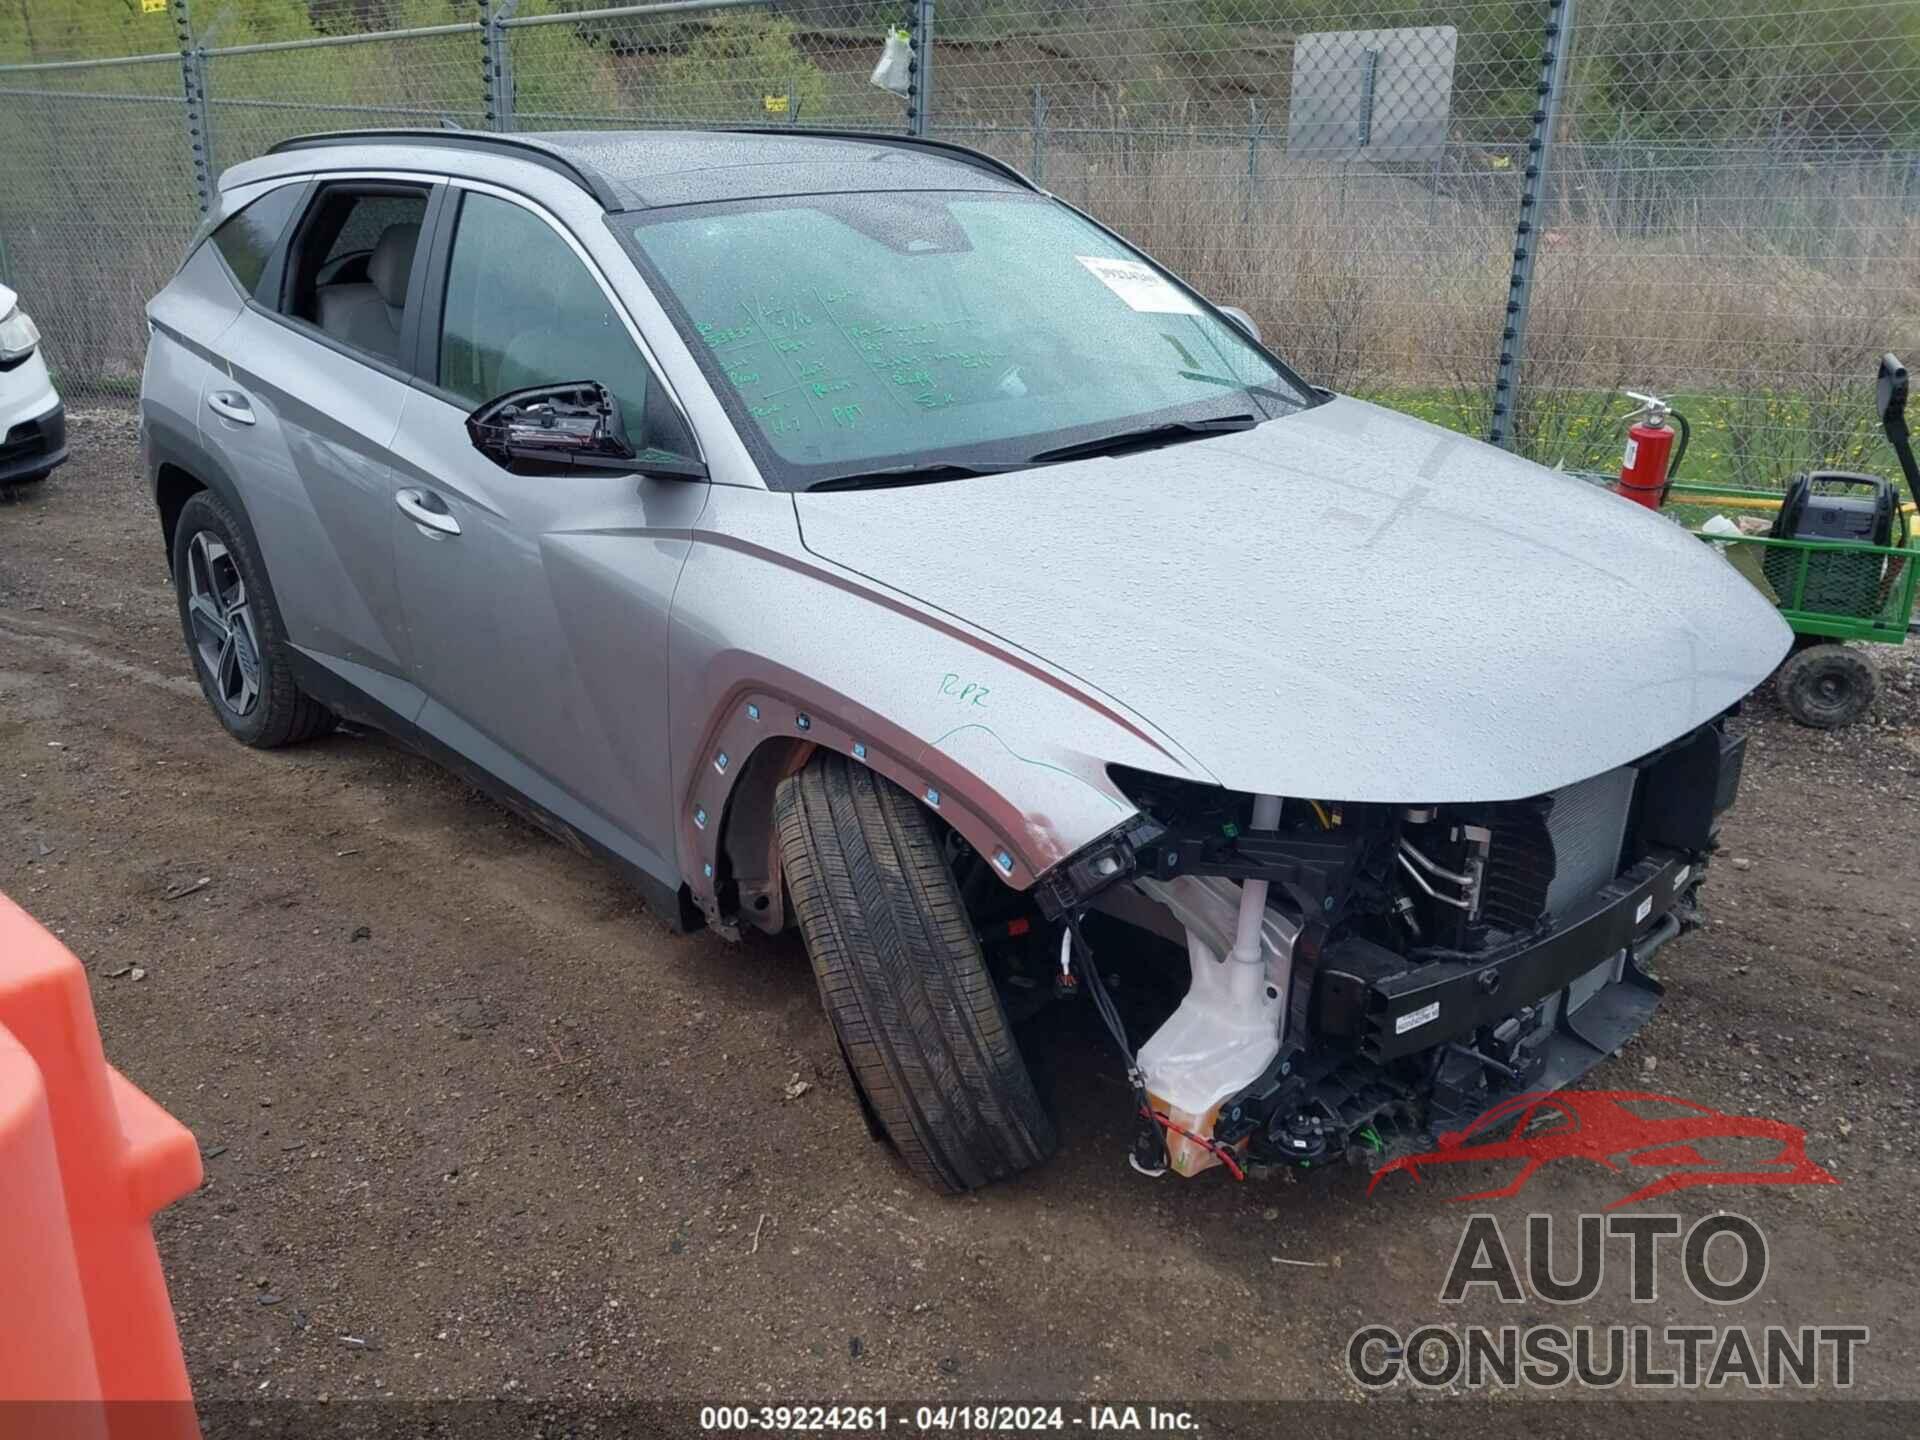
<point x="85" y="1161"/>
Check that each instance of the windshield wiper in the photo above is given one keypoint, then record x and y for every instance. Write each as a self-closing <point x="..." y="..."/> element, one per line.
<point x="1147" y="437"/>
<point x="1266" y="390"/>
<point x="908" y="475"/>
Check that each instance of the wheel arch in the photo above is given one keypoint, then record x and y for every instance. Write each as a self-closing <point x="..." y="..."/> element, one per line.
<point x="180" y="472"/>
<point x="763" y="735"/>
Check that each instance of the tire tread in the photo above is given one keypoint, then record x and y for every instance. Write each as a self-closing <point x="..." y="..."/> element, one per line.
<point x="903" y="979"/>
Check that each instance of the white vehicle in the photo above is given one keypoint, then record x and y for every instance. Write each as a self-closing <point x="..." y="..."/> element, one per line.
<point x="33" y="422"/>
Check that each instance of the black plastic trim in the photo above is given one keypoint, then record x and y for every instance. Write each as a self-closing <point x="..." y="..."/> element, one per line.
<point x="348" y="700"/>
<point x="51" y="431"/>
<point x="1480" y="991"/>
<point x="430" y="267"/>
<point x="478" y="141"/>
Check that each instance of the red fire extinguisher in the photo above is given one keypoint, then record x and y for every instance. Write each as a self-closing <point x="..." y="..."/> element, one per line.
<point x="1647" y="466"/>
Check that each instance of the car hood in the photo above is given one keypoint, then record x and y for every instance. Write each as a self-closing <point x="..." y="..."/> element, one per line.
<point x="1346" y="603"/>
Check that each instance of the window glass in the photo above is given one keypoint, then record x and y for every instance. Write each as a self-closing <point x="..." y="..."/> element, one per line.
<point x="864" y="332"/>
<point x="246" y="239"/>
<point x="522" y="310"/>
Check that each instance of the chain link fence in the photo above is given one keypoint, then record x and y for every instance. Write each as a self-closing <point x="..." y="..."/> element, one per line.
<point x="1497" y="214"/>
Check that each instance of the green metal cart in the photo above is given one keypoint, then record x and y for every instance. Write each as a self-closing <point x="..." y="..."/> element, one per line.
<point x="1829" y="590"/>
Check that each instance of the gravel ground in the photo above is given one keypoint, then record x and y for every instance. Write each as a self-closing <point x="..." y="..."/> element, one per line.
<point x="477" y="1125"/>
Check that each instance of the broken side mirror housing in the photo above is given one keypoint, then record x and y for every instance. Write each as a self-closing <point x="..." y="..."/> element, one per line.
<point x="568" y="426"/>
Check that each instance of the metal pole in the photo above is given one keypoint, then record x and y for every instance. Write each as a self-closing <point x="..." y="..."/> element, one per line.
<point x="496" y="63"/>
<point x="920" y="71"/>
<point x="1555" y="60"/>
<point x="193" y="80"/>
<point x="1253" y="153"/>
<point x="1039" y="166"/>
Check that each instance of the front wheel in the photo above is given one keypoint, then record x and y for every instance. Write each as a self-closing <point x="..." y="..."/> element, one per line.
<point x="903" y="979"/>
<point x="1829" y="685"/>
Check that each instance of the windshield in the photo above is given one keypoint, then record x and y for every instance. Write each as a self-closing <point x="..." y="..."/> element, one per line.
<point x="855" y="334"/>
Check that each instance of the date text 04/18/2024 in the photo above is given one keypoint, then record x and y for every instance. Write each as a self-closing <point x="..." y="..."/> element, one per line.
<point x="934" y="1419"/>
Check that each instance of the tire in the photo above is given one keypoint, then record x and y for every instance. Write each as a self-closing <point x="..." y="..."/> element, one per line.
<point x="1827" y="686"/>
<point x="901" y="973"/>
<point x="222" y="589"/>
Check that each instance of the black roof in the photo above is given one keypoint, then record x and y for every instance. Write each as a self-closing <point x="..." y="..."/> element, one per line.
<point x="646" y="169"/>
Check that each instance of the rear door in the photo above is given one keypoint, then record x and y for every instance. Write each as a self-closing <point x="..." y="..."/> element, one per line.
<point x="313" y="387"/>
<point x="537" y="604"/>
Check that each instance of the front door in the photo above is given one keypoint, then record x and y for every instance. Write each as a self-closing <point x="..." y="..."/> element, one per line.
<point x="537" y="605"/>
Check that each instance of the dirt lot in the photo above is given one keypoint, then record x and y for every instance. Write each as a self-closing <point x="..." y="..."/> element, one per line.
<point x="476" y="1124"/>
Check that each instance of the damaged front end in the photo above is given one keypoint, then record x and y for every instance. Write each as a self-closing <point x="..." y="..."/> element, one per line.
<point x="1367" y="976"/>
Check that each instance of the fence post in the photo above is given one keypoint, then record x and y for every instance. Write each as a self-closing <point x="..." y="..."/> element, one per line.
<point x="193" y="81"/>
<point x="1039" y="166"/>
<point x="1555" y="62"/>
<point x="496" y="63"/>
<point x="920" y="70"/>
<point x="1254" y="124"/>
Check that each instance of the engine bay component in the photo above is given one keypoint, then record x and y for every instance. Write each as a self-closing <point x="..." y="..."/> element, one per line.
<point x="1363" y="975"/>
<point x="1226" y="1031"/>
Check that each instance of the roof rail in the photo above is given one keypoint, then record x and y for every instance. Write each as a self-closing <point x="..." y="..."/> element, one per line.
<point x="514" y="147"/>
<point x="965" y="154"/>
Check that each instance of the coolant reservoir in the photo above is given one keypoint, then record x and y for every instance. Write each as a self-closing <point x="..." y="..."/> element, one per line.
<point x="1228" y="1028"/>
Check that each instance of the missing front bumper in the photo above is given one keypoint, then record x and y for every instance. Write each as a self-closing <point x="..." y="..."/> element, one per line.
<point x="1371" y="997"/>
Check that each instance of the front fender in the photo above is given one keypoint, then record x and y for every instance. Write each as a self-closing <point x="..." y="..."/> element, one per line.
<point x="774" y="646"/>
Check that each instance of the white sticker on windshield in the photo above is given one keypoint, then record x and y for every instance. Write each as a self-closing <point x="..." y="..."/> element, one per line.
<point x="1139" y="285"/>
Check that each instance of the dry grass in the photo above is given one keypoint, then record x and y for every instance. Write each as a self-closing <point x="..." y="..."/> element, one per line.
<point x="1772" y="307"/>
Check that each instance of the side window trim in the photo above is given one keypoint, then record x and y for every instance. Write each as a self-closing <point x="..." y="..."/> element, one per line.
<point x="440" y="256"/>
<point x="274" y="279"/>
<point x="411" y="326"/>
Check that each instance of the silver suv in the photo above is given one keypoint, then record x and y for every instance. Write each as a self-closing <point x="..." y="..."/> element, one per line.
<point x="838" y="531"/>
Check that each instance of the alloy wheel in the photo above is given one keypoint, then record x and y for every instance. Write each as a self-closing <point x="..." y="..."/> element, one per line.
<point x="222" y="620"/>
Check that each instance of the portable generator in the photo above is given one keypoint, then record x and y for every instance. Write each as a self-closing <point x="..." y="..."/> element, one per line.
<point x="1835" y="505"/>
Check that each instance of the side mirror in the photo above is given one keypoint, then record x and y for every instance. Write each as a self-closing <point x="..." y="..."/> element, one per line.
<point x="574" y="425"/>
<point x="1242" y="319"/>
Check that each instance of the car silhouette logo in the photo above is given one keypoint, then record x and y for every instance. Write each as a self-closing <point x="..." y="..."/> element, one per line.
<point x="1623" y="1130"/>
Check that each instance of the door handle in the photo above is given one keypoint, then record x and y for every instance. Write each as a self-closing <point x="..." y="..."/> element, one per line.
<point x="232" y="405"/>
<point x="413" y="504"/>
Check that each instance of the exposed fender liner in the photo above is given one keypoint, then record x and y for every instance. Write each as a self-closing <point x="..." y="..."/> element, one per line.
<point x="753" y="716"/>
<point x="391" y="706"/>
<point x="749" y="840"/>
